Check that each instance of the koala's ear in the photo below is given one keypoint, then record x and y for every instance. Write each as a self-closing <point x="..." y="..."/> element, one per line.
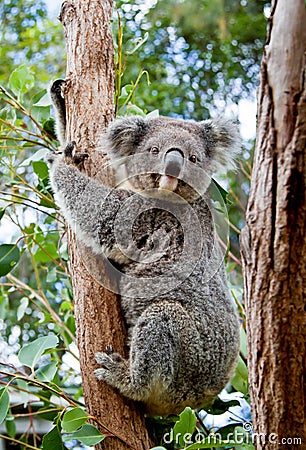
<point x="124" y="134"/>
<point x="223" y="143"/>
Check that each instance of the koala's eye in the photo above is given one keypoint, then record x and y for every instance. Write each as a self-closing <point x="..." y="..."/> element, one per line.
<point x="154" y="150"/>
<point x="193" y="158"/>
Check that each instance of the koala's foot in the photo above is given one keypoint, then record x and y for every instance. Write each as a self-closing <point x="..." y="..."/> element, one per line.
<point x="73" y="157"/>
<point x="114" y="370"/>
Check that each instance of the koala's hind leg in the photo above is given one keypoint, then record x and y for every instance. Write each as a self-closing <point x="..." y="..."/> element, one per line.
<point x="153" y="361"/>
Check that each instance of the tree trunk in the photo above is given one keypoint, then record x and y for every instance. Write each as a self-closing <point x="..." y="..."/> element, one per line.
<point x="274" y="239"/>
<point x="89" y="99"/>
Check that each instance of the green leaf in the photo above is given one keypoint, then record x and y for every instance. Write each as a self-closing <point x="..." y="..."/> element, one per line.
<point x="153" y="114"/>
<point x="47" y="372"/>
<point x="24" y="302"/>
<point x="44" y="99"/>
<point x="10" y="425"/>
<point x="53" y="440"/>
<point x="74" y="419"/>
<point x="134" y="44"/>
<point x="49" y="127"/>
<point x="44" y="255"/>
<point x="9" y="257"/>
<point x="240" y="379"/>
<point x="243" y="343"/>
<point x="51" y="275"/>
<point x="126" y="90"/>
<point x="222" y="192"/>
<point x="134" y="110"/>
<point x="21" y="80"/>
<point x="4" y="403"/>
<point x="41" y="169"/>
<point x="37" y="97"/>
<point x="2" y="211"/>
<point x="185" y="426"/>
<point x="41" y="113"/>
<point x="88" y="435"/>
<point x="30" y="353"/>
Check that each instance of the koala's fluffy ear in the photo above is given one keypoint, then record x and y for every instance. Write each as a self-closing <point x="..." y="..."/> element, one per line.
<point x="124" y="134"/>
<point x="223" y="142"/>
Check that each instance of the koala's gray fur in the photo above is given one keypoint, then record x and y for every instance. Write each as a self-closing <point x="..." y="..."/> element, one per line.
<point x="183" y="338"/>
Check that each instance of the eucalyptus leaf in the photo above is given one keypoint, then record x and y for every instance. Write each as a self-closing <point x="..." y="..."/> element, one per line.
<point x="74" y="419"/>
<point x="185" y="426"/>
<point x="41" y="169"/>
<point x="4" y="403"/>
<point x="47" y="372"/>
<point x="30" y="353"/>
<point x="240" y="379"/>
<point x="21" y="80"/>
<point x="153" y="114"/>
<point x="88" y="435"/>
<point x="44" y="100"/>
<point x="243" y="343"/>
<point x="24" y="302"/>
<point x="10" y="425"/>
<point x="53" y="440"/>
<point x="9" y="257"/>
<point x="134" y="110"/>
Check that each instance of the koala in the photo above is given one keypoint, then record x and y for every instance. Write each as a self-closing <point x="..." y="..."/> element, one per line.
<point x="156" y="230"/>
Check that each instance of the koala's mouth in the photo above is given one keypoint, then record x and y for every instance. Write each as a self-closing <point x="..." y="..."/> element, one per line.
<point x="168" y="183"/>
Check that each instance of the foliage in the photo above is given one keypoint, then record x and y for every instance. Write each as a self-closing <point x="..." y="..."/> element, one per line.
<point x="35" y="291"/>
<point x="27" y="34"/>
<point x="202" y="56"/>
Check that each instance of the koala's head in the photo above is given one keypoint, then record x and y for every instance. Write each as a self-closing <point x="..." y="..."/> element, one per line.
<point x="171" y="154"/>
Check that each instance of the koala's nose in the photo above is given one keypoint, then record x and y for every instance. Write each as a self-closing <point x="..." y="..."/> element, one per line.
<point x="174" y="161"/>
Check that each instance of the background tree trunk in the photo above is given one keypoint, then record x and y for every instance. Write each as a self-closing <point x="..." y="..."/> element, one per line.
<point x="274" y="239"/>
<point x="89" y="98"/>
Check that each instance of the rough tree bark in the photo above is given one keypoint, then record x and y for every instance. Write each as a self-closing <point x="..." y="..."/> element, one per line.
<point x="274" y="239"/>
<point x="89" y="99"/>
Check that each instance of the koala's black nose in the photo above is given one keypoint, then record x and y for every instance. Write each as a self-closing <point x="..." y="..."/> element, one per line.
<point x="174" y="161"/>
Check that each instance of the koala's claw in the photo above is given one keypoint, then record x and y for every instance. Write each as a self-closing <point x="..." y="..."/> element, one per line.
<point x="109" y="360"/>
<point x="109" y="349"/>
<point x="72" y="156"/>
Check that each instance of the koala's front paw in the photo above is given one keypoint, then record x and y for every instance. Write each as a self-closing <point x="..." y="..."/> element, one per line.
<point x="73" y="157"/>
<point x="113" y="369"/>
